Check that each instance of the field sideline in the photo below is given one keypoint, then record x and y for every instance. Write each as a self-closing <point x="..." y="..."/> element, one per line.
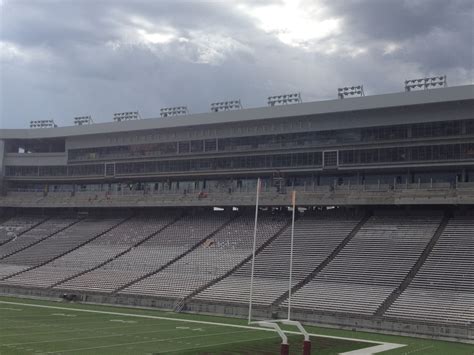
<point x="45" y="327"/>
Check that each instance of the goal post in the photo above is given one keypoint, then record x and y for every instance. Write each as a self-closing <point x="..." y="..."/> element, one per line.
<point x="274" y="323"/>
<point x="253" y="249"/>
<point x="290" y="278"/>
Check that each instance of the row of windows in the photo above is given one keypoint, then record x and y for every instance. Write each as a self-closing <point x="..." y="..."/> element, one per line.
<point x="27" y="146"/>
<point x="79" y="170"/>
<point x="407" y="154"/>
<point x="123" y="151"/>
<point x="246" y="162"/>
<point x="446" y="152"/>
<point x="277" y="141"/>
<point x="144" y="150"/>
<point x="437" y="129"/>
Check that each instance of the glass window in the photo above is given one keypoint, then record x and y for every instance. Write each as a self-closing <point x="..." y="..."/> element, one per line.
<point x="197" y="146"/>
<point x="273" y="141"/>
<point x="210" y="145"/>
<point x="470" y="127"/>
<point x="52" y="171"/>
<point x="184" y="147"/>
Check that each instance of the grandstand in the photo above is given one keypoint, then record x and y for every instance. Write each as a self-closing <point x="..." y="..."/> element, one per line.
<point x="160" y="212"/>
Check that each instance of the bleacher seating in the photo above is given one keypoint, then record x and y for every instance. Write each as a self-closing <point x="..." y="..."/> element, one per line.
<point x="210" y="260"/>
<point x="443" y="289"/>
<point x="151" y="255"/>
<point x="54" y="246"/>
<point x="315" y="237"/>
<point x="174" y="256"/>
<point x="370" y="267"/>
<point x="13" y="227"/>
<point x="35" y="235"/>
<point x="108" y="245"/>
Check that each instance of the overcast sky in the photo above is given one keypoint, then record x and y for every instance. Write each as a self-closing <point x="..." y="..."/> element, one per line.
<point x="62" y="59"/>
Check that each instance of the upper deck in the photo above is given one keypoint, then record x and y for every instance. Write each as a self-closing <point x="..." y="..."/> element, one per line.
<point x="429" y="129"/>
<point x="343" y="112"/>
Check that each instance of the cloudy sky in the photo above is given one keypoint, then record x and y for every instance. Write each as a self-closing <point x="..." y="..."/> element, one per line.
<point x="61" y="59"/>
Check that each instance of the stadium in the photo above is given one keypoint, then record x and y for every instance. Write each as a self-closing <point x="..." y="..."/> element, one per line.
<point x="357" y="212"/>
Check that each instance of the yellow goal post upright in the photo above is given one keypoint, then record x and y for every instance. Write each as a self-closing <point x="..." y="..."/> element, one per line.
<point x="274" y="323"/>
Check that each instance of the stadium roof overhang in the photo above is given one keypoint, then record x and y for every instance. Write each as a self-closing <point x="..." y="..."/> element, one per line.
<point x="402" y="99"/>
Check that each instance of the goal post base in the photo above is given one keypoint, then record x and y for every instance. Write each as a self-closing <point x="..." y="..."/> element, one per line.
<point x="284" y="344"/>
<point x="306" y="347"/>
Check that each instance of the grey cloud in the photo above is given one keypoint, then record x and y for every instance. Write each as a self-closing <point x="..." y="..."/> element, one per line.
<point x="437" y="35"/>
<point x="89" y="67"/>
<point x="400" y="20"/>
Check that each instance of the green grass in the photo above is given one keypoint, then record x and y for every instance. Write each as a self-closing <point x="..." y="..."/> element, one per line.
<point x="33" y="330"/>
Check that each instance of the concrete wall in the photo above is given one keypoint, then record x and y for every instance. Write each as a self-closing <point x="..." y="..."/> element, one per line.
<point x="338" y="197"/>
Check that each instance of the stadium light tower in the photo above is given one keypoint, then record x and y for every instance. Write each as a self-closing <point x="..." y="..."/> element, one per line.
<point x="426" y="83"/>
<point x="350" y="91"/>
<point x="83" y="120"/>
<point x="174" y="111"/>
<point x="226" y="105"/>
<point x="43" y="124"/>
<point x="126" y="116"/>
<point x="285" y="99"/>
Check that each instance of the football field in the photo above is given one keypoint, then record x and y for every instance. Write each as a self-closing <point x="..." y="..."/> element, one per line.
<point x="44" y="327"/>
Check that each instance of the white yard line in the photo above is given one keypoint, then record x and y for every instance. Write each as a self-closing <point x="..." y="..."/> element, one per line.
<point x="374" y="349"/>
<point x="419" y="349"/>
<point x="123" y="321"/>
<point x="371" y="350"/>
<point x="64" y="315"/>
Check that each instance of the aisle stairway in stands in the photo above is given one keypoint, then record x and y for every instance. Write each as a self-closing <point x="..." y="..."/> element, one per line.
<point x="53" y="247"/>
<point x="443" y="290"/>
<point x="370" y="267"/>
<point x="168" y="245"/>
<point x="315" y="237"/>
<point x="211" y="260"/>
